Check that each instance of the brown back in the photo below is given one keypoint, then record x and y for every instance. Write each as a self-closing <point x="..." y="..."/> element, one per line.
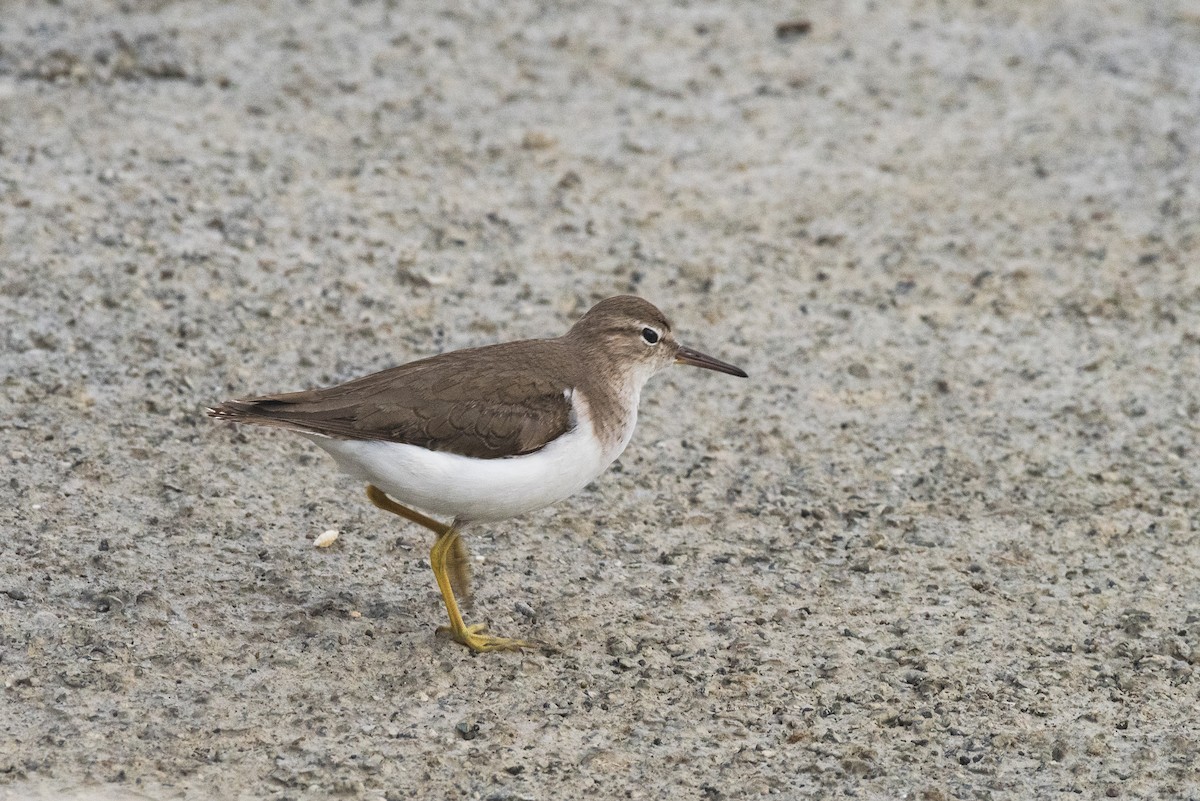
<point x="489" y="402"/>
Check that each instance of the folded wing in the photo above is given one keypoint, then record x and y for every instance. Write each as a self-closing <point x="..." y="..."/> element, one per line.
<point x="456" y="402"/>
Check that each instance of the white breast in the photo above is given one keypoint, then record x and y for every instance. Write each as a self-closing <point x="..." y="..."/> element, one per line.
<point x="469" y="489"/>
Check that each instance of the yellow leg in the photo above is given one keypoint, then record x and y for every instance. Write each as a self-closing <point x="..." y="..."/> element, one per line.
<point x="458" y="562"/>
<point x="470" y="636"/>
<point x="458" y="566"/>
<point x="380" y="499"/>
<point x="448" y="554"/>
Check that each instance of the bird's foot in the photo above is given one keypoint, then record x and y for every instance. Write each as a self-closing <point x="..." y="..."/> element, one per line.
<point x="474" y="638"/>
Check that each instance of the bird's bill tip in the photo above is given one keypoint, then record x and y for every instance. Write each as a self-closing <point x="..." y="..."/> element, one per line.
<point x="697" y="359"/>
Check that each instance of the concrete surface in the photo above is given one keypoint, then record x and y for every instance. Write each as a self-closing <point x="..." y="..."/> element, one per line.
<point x="943" y="545"/>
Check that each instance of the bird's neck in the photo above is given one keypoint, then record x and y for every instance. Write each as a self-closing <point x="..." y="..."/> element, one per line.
<point x="612" y="398"/>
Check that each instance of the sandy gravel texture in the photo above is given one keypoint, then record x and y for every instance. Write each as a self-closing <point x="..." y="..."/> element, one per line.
<point x="942" y="545"/>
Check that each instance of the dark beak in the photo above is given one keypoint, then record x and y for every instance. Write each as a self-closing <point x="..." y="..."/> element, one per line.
<point x="697" y="359"/>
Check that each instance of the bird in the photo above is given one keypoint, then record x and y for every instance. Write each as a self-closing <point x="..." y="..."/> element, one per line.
<point x="485" y="434"/>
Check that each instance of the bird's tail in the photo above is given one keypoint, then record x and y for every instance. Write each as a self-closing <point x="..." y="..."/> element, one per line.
<point x="257" y="412"/>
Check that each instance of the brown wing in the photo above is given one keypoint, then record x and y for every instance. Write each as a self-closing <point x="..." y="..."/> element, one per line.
<point x="456" y="402"/>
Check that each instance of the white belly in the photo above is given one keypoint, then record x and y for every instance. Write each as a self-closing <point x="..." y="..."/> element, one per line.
<point x="468" y="489"/>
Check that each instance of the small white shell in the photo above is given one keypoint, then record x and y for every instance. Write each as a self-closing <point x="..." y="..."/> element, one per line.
<point x="327" y="539"/>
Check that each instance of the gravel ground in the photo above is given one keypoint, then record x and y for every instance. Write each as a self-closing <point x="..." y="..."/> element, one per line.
<point x="942" y="545"/>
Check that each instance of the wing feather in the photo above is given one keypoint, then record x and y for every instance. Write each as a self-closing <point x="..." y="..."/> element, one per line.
<point x="485" y="402"/>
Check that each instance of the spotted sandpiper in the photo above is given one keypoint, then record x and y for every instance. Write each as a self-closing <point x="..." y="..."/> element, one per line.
<point x="485" y="434"/>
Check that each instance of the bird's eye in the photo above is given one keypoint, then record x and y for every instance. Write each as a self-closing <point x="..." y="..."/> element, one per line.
<point x="650" y="336"/>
